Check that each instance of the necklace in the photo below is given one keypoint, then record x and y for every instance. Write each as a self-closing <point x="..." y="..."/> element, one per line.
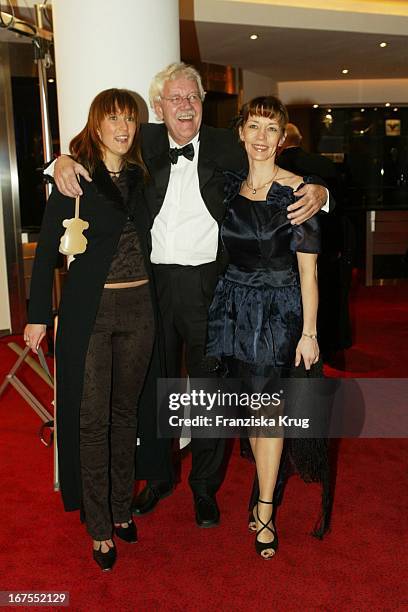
<point x="114" y="173"/>
<point x="254" y="190"/>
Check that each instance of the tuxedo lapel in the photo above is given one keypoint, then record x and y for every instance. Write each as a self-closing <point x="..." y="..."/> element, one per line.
<point x="206" y="163"/>
<point x="155" y="148"/>
<point x="210" y="175"/>
<point x="159" y="169"/>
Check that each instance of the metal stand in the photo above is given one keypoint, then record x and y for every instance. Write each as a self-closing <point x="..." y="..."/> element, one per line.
<point x="47" y="418"/>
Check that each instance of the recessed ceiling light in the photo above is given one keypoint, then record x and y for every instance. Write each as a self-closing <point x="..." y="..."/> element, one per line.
<point x="362" y="110"/>
<point x="315" y="106"/>
<point x="253" y="36"/>
<point x="329" y="110"/>
<point x="51" y="80"/>
<point x="395" y="109"/>
<point x="383" y="44"/>
<point x="387" y="104"/>
<point x="345" y="71"/>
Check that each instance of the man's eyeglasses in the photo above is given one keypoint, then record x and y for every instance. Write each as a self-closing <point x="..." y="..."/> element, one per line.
<point x="193" y="98"/>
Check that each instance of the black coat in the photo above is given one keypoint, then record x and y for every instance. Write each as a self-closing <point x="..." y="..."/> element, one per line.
<point x="103" y="207"/>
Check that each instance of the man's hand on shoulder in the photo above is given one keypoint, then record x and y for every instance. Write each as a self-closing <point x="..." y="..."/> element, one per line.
<point x="313" y="198"/>
<point x="66" y="175"/>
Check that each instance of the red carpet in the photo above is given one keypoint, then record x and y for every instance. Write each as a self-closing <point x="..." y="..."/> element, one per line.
<point x="360" y="566"/>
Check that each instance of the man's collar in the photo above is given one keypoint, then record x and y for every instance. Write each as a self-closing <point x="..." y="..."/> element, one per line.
<point x="194" y="142"/>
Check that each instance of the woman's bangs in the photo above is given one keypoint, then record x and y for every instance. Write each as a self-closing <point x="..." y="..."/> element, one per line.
<point x="118" y="102"/>
<point x="262" y="110"/>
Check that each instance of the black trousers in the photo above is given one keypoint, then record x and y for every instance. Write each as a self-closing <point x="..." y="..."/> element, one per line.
<point x="184" y="296"/>
<point x="116" y="363"/>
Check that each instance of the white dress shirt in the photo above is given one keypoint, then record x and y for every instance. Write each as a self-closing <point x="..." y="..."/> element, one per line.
<point x="184" y="232"/>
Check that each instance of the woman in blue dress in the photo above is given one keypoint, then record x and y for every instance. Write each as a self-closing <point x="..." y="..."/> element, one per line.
<point x="262" y="322"/>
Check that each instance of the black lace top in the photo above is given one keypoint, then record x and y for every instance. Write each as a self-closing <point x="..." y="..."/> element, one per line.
<point x="127" y="263"/>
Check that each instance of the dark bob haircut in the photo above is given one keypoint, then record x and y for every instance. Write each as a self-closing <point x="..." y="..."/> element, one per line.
<point x="263" y="106"/>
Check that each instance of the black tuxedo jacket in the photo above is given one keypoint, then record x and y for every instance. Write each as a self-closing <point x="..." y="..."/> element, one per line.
<point x="219" y="151"/>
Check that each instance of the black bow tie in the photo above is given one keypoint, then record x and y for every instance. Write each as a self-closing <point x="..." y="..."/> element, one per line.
<point x="187" y="151"/>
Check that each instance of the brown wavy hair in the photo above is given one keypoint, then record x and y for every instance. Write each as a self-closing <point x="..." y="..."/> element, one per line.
<point x="87" y="148"/>
<point x="263" y="106"/>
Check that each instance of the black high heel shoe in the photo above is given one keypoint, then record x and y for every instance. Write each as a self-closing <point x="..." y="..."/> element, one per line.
<point x="128" y="534"/>
<point x="261" y="546"/>
<point x="105" y="560"/>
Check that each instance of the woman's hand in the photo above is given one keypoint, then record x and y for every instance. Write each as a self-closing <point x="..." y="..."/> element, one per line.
<point x="307" y="348"/>
<point x="66" y="176"/>
<point x="33" y="335"/>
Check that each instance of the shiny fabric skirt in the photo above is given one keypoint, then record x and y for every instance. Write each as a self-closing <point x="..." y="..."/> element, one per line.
<point x="257" y="325"/>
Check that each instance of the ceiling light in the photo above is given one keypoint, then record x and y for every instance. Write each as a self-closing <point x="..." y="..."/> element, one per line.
<point x="253" y="36"/>
<point x="315" y="106"/>
<point x="395" y="109"/>
<point x="329" y="110"/>
<point x="387" y="104"/>
<point x="345" y="71"/>
<point x="375" y="108"/>
<point x="383" y="44"/>
<point x="362" y="110"/>
<point x="51" y="80"/>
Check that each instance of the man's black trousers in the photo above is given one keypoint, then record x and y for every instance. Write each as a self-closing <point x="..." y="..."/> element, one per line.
<point x="184" y="296"/>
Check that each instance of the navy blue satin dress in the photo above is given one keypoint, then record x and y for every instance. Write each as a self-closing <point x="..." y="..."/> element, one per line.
<point x="256" y="313"/>
<point x="255" y="319"/>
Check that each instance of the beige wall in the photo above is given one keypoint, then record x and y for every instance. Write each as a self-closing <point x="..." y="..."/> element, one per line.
<point x="257" y="85"/>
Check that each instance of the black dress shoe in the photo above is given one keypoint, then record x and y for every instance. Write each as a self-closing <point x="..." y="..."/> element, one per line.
<point x="105" y="560"/>
<point x="128" y="534"/>
<point x="206" y="511"/>
<point x="150" y="496"/>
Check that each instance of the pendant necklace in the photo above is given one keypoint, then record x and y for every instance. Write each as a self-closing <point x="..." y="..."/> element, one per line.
<point x="253" y="190"/>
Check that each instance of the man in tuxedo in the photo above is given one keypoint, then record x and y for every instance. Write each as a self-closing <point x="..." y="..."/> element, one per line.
<point x="186" y="161"/>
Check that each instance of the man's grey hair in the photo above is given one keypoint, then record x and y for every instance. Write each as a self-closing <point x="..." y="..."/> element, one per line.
<point x="172" y="72"/>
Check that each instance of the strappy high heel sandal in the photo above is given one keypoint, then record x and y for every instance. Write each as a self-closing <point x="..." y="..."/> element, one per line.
<point x="261" y="546"/>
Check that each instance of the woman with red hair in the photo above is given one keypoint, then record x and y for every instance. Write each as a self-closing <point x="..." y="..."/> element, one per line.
<point x="106" y="321"/>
